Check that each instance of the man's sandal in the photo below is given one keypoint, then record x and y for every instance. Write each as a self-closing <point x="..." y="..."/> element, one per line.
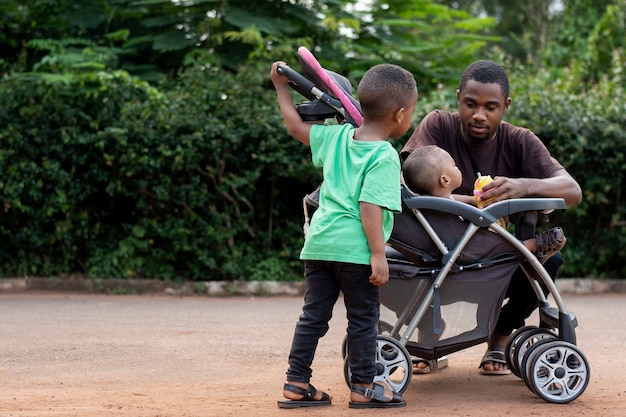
<point x="307" y="400"/>
<point x="377" y="397"/>
<point x="494" y="356"/>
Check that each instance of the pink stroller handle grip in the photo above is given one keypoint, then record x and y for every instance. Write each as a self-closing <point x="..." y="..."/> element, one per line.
<point x="350" y="108"/>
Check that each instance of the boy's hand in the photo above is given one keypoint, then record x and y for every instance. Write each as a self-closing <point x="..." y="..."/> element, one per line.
<point x="296" y="127"/>
<point x="277" y="79"/>
<point x="380" y="270"/>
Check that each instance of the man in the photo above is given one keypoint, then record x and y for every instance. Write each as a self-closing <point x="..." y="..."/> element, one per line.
<point x="480" y="141"/>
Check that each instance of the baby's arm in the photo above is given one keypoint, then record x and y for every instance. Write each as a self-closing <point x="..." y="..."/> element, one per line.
<point x="295" y="126"/>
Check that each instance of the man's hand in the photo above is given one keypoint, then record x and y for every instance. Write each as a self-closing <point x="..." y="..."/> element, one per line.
<point x="503" y="188"/>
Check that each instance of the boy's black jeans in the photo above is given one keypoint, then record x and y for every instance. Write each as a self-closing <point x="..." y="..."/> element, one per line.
<point x="324" y="281"/>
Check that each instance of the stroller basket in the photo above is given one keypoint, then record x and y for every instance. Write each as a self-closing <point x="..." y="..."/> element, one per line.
<point x="463" y="312"/>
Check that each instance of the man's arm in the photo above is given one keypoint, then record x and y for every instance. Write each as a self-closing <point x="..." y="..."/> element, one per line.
<point x="372" y="220"/>
<point x="559" y="185"/>
<point x="295" y="126"/>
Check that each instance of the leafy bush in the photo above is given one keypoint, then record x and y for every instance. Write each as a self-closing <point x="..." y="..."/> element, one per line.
<point x="197" y="178"/>
<point x="582" y="125"/>
<point x="119" y="180"/>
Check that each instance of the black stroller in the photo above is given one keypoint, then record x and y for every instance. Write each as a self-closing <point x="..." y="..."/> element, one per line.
<point x="450" y="265"/>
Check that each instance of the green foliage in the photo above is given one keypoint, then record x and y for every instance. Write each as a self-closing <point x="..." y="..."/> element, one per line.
<point x="583" y="128"/>
<point x="154" y="38"/>
<point x="571" y="29"/>
<point x="605" y="44"/>
<point x="194" y="176"/>
<point x="430" y="40"/>
<point x="107" y="176"/>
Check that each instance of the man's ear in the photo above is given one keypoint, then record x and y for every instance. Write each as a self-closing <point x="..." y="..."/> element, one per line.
<point x="507" y="103"/>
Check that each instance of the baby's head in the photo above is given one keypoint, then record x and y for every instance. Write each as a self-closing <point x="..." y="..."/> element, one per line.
<point x="385" y="89"/>
<point x="430" y="170"/>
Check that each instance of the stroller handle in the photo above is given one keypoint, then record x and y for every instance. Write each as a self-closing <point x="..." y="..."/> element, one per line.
<point x="308" y="89"/>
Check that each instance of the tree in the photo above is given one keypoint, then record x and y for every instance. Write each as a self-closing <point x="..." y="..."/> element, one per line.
<point x="431" y="40"/>
<point x="572" y="28"/>
<point x="151" y="38"/>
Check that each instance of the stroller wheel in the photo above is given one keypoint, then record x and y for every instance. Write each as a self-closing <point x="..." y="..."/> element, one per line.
<point x="383" y="328"/>
<point x="393" y="364"/>
<point x="527" y="354"/>
<point x="557" y="371"/>
<point x="509" y="351"/>
<point x="521" y="342"/>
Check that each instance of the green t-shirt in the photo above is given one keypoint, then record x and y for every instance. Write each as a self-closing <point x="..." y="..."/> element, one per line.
<point x="354" y="171"/>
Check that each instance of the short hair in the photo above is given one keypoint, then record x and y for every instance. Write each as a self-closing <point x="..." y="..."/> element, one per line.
<point x="422" y="168"/>
<point x="385" y="88"/>
<point x="486" y="72"/>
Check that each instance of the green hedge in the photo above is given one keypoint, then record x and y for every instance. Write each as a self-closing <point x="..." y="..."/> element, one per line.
<point x="583" y="125"/>
<point x="197" y="178"/>
<point x="110" y="178"/>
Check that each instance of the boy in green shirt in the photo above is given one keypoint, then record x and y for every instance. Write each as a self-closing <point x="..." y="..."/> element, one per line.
<point x="344" y="250"/>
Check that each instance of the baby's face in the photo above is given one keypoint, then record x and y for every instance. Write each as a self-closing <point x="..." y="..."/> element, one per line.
<point x="451" y="170"/>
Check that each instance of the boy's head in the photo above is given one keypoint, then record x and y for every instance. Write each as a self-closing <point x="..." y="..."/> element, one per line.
<point x="384" y="89"/>
<point x="431" y="170"/>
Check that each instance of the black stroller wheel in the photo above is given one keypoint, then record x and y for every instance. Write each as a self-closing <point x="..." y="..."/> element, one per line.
<point x="393" y="364"/>
<point x="524" y="342"/>
<point x="557" y="371"/>
<point x="509" y="351"/>
<point x="527" y="355"/>
<point x="384" y="328"/>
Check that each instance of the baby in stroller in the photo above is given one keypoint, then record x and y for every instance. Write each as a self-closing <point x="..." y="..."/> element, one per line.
<point x="431" y="170"/>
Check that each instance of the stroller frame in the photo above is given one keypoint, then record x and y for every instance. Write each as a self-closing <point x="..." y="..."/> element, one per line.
<point x="481" y="218"/>
<point x="545" y="356"/>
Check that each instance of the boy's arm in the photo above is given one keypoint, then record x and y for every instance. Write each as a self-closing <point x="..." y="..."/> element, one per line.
<point x="295" y="126"/>
<point x="372" y="220"/>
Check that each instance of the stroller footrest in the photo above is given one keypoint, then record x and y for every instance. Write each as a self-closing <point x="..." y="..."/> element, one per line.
<point x="550" y="316"/>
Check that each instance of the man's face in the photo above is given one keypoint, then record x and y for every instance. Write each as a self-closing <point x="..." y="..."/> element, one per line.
<point x="481" y="108"/>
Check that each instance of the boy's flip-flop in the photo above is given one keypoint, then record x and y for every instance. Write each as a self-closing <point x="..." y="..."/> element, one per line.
<point x="377" y="396"/>
<point x="307" y="400"/>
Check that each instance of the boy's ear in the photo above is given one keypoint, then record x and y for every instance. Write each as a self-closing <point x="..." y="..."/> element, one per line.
<point x="444" y="181"/>
<point x="399" y="114"/>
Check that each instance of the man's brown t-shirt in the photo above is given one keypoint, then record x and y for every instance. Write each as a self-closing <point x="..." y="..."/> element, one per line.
<point x="515" y="152"/>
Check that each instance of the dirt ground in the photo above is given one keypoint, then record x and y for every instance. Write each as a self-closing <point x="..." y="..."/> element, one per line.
<point x="96" y="355"/>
